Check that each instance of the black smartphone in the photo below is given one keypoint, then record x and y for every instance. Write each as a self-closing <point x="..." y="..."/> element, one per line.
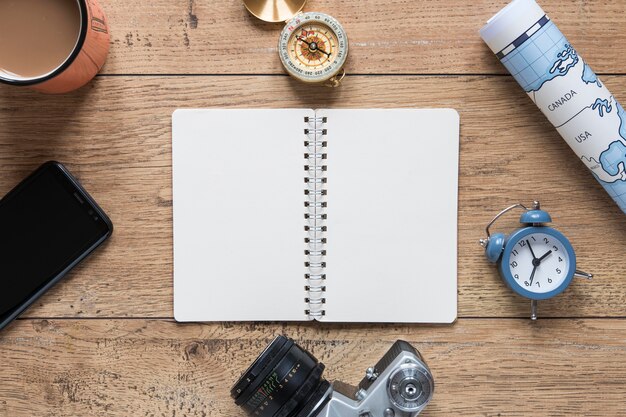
<point x="48" y="224"/>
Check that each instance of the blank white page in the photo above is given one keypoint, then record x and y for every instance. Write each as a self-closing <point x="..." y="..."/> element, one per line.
<point x="238" y="187"/>
<point x="392" y="215"/>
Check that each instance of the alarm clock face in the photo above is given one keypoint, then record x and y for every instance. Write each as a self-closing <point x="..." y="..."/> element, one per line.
<point x="538" y="262"/>
<point x="313" y="47"/>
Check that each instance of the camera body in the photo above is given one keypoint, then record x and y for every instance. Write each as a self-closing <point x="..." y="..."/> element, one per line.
<point x="399" y="385"/>
<point x="286" y="381"/>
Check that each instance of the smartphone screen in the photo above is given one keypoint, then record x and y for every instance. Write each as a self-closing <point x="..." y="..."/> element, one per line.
<point x="48" y="224"/>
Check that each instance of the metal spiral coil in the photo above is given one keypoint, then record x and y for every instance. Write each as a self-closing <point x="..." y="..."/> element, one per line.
<point x="315" y="215"/>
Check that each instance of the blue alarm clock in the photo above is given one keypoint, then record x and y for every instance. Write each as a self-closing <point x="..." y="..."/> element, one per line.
<point x="536" y="261"/>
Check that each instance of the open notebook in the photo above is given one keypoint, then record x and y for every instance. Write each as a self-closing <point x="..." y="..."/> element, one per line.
<point x="333" y="215"/>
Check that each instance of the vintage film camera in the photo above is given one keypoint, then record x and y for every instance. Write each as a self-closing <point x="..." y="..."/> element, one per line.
<point x="286" y="381"/>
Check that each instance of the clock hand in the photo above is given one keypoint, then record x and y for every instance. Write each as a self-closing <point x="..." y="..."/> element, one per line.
<point x="531" y="249"/>
<point x="532" y="274"/>
<point x="536" y="263"/>
<point x="544" y="255"/>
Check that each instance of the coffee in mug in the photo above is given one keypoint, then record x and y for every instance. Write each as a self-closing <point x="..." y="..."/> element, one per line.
<point x="54" y="46"/>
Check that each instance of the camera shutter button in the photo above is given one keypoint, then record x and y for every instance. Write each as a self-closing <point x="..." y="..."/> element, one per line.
<point x="371" y="374"/>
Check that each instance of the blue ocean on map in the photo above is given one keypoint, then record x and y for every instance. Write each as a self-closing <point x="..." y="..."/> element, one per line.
<point x="543" y="57"/>
<point x="612" y="158"/>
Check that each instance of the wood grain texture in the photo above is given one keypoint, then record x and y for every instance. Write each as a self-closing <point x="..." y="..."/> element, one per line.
<point x="158" y="368"/>
<point x="394" y="36"/>
<point x="102" y="342"/>
<point x="120" y="147"/>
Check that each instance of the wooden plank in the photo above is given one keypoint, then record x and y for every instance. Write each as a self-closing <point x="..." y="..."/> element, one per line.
<point x="116" y="138"/>
<point x="157" y="368"/>
<point x="395" y="36"/>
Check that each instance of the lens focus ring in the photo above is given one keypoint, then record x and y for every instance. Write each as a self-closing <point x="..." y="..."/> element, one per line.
<point x="281" y="382"/>
<point x="259" y="370"/>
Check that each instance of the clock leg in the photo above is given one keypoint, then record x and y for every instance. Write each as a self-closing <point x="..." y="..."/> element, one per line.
<point x="533" y="309"/>
<point x="581" y="274"/>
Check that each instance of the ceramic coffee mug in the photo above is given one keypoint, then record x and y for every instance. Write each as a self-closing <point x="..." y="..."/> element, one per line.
<point x="52" y="46"/>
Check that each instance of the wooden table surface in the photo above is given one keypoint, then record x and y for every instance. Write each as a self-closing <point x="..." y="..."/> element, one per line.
<point x="104" y="342"/>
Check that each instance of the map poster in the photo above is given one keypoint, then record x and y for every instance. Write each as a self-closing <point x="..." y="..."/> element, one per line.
<point x="575" y="101"/>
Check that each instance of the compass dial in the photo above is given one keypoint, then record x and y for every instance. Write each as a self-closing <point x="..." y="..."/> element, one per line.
<point x="313" y="47"/>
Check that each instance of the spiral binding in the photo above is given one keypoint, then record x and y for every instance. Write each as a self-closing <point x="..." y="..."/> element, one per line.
<point x="315" y="216"/>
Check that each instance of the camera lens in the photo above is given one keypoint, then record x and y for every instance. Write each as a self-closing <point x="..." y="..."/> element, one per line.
<point x="284" y="381"/>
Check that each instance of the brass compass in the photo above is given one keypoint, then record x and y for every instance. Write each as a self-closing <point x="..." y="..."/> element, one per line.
<point x="313" y="47"/>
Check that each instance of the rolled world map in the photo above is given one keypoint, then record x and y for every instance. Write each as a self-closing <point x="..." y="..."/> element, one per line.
<point x="564" y="88"/>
